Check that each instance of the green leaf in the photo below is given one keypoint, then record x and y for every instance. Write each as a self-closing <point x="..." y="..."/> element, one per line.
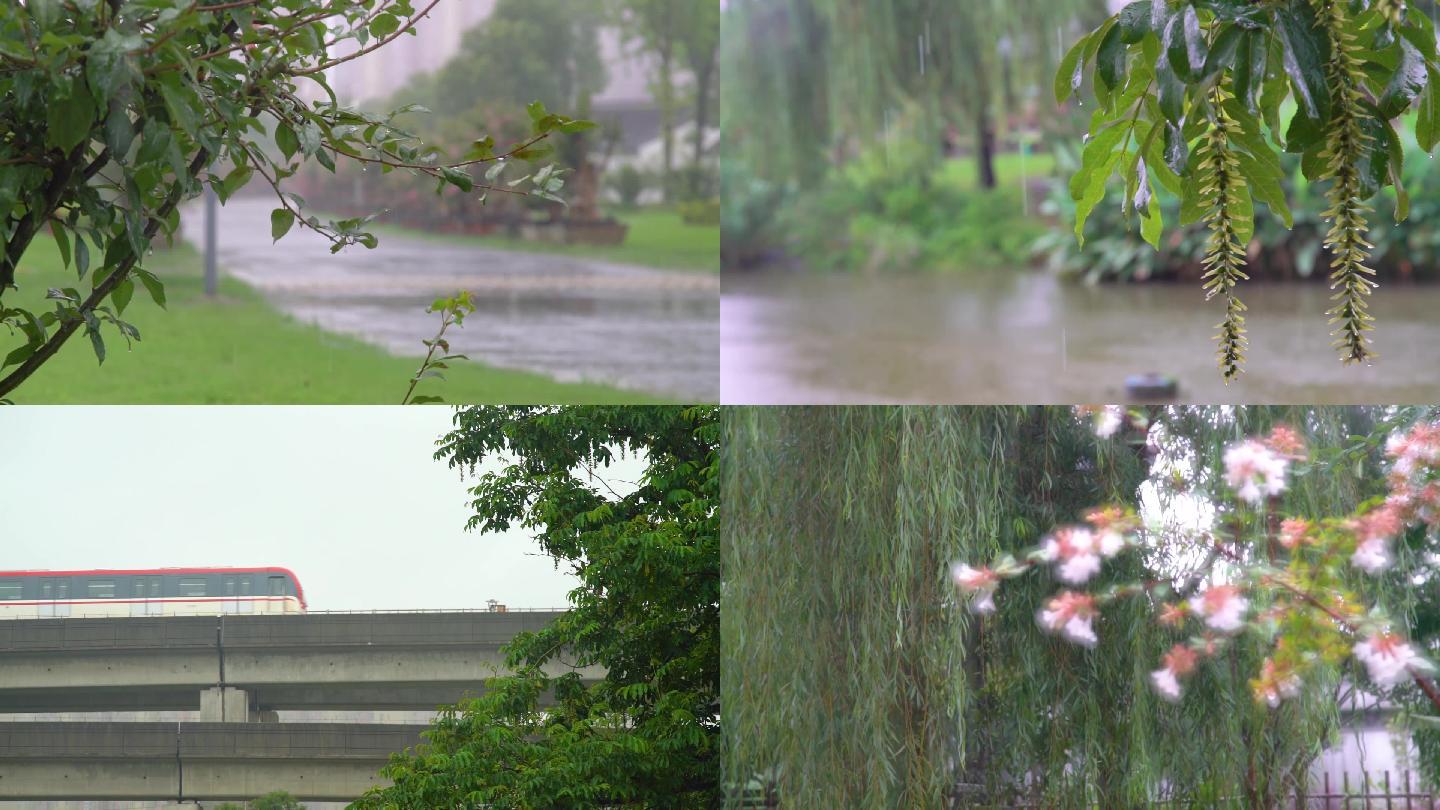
<point x="62" y="241"/>
<point x="97" y="342"/>
<point x="1184" y="44"/>
<point x="153" y="286"/>
<point x="1223" y="51"/>
<point x="1152" y="218"/>
<point x="181" y="104"/>
<point x="1135" y="21"/>
<point x="20" y="355"/>
<point x="1305" y="52"/>
<point x="1266" y="185"/>
<point x="45" y="13"/>
<point x="1248" y="75"/>
<point x="1427" y="127"/>
<point x="458" y="178"/>
<point x="384" y="25"/>
<point x="234" y="181"/>
<point x="1098" y="163"/>
<point x="68" y="120"/>
<point x="82" y="256"/>
<point x="124" y="291"/>
<point x="286" y="140"/>
<point x="1110" y="60"/>
<point x="281" y="220"/>
<point x="1407" y="83"/>
<point x="119" y="130"/>
<point x="1170" y="92"/>
<point x="1071" y="72"/>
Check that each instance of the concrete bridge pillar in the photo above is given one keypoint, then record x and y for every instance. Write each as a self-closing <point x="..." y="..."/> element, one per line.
<point x="226" y="704"/>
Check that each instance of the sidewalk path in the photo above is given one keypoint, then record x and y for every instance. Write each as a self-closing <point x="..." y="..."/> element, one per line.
<point x="567" y="317"/>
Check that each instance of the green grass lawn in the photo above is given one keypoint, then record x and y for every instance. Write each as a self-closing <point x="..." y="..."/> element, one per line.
<point x="1010" y="169"/>
<point x="658" y="238"/>
<point x="236" y="348"/>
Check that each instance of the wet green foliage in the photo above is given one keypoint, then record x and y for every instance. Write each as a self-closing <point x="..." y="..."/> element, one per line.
<point x="1115" y="251"/>
<point x="890" y="211"/>
<point x="853" y="677"/>
<point x="646" y="610"/>
<point x="1192" y="98"/>
<point x="114" y="112"/>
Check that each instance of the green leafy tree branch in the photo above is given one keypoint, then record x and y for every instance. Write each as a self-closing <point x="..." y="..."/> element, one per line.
<point x="115" y="112"/>
<point x="646" y="610"/>
<point x="1194" y="97"/>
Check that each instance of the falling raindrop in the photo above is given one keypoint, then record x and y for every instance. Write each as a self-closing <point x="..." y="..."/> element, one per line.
<point x="920" y="44"/>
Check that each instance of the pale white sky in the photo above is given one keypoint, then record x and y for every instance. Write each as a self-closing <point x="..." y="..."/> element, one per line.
<point x="347" y="497"/>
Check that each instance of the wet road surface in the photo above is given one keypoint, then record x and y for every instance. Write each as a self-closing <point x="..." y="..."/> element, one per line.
<point x="569" y="318"/>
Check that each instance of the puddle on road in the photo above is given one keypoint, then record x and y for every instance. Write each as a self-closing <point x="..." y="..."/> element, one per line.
<point x="562" y="316"/>
<point x="1025" y="337"/>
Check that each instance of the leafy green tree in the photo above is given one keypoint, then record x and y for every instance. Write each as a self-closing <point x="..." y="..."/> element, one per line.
<point x="278" y="800"/>
<point x="528" y="49"/>
<point x="659" y="26"/>
<point x="114" y="112"/>
<point x="700" y="37"/>
<point x="646" y="610"/>
<point x="1193" y="98"/>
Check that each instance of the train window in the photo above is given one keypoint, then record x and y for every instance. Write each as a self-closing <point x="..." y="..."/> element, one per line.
<point x="101" y="588"/>
<point x="277" y="586"/>
<point x="9" y="590"/>
<point x="55" y="589"/>
<point x="193" y="587"/>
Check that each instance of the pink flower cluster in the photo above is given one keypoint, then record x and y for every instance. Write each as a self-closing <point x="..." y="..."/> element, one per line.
<point x="1077" y="550"/>
<point x="1255" y="471"/>
<point x="1070" y="614"/>
<point x="1390" y="659"/>
<point x="1176" y="664"/>
<point x="977" y="583"/>
<point x="1222" y="607"/>
<point x="1414" y="497"/>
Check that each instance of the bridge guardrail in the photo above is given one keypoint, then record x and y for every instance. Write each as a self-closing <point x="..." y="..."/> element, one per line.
<point x="399" y="628"/>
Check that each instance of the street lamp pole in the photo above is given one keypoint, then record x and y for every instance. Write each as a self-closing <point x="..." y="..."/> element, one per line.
<point x="211" y="273"/>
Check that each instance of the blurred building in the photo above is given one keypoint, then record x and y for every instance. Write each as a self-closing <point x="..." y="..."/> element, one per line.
<point x="626" y="100"/>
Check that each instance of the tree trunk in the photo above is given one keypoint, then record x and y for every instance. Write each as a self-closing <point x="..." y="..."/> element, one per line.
<point x="667" y="123"/>
<point x="703" y="76"/>
<point x="985" y="148"/>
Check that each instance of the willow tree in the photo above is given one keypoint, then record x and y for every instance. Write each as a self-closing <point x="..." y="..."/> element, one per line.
<point x="852" y="677"/>
<point x="1192" y="98"/>
<point x="815" y="75"/>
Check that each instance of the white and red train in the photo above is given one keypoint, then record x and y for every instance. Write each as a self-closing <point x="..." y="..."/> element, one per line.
<point x="149" y="592"/>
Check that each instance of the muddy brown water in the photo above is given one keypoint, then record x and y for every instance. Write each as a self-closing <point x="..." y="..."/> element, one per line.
<point x="796" y="338"/>
<point x="567" y="317"/>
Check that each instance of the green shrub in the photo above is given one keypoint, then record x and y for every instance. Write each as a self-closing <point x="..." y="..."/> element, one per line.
<point x="748" y="210"/>
<point x="700" y="212"/>
<point x="629" y="184"/>
<point x="894" y="210"/>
